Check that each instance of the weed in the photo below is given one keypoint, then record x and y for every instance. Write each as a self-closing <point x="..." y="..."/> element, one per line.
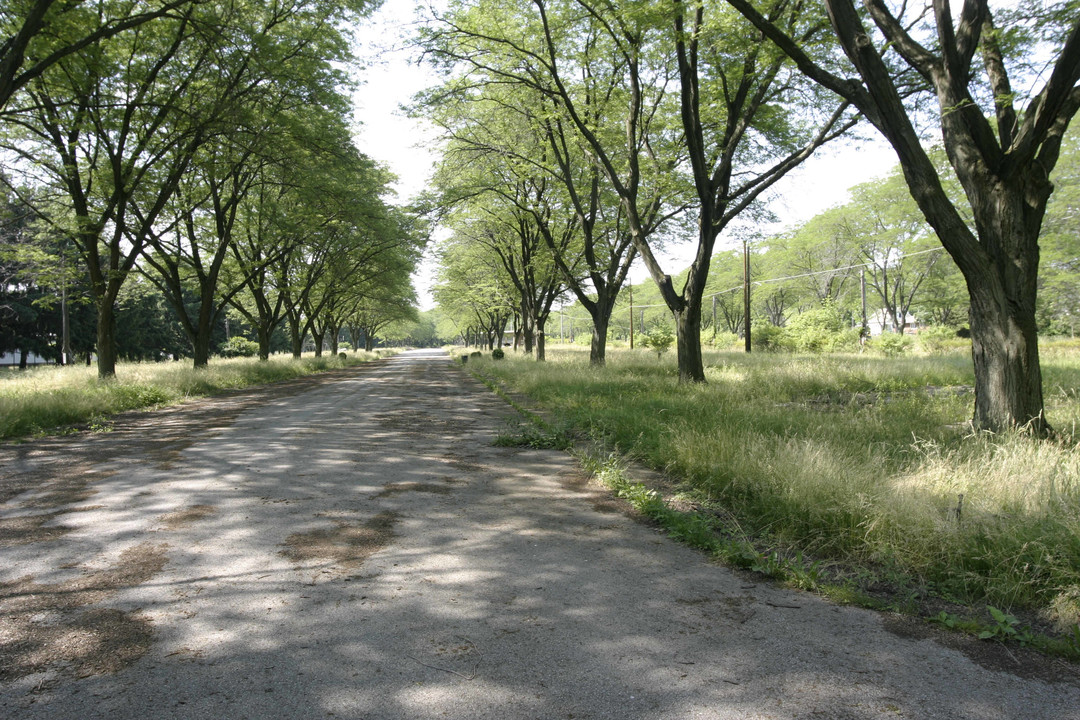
<point x="1005" y="627"/>
<point x="535" y="436"/>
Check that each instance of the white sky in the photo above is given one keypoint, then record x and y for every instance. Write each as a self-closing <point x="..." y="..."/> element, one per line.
<point x="392" y="76"/>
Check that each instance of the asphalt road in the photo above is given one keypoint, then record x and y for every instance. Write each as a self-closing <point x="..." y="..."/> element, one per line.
<point x="356" y="547"/>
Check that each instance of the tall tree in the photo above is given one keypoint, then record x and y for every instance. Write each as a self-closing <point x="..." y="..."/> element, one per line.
<point x="37" y="34"/>
<point x="1002" y="141"/>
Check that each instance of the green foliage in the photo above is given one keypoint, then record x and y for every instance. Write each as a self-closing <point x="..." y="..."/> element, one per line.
<point x="891" y="344"/>
<point x="497" y="354"/>
<point x="719" y="340"/>
<point x="820" y="329"/>
<point x="854" y="460"/>
<point x="535" y="434"/>
<point x="659" y="340"/>
<point x="238" y="346"/>
<point x="764" y="336"/>
<point x="940" y="339"/>
<point x="49" y="398"/>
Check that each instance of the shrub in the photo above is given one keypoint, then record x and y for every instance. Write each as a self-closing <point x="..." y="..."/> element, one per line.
<point x="766" y="336"/>
<point x="239" y="347"/>
<point x="659" y="340"/>
<point x="497" y="354"/>
<point x="891" y="344"/>
<point x="822" y="329"/>
<point x="720" y="341"/>
<point x="940" y="339"/>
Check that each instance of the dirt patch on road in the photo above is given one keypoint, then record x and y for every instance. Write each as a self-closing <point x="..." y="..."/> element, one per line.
<point x="405" y="487"/>
<point x="45" y="628"/>
<point x="348" y="544"/>
<point x="187" y="516"/>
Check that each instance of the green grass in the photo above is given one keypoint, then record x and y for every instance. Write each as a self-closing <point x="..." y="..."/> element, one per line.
<point x="46" y="399"/>
<point x="855" y="461"/>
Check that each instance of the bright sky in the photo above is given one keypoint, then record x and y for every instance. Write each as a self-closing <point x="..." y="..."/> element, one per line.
<point x="392" y="76"/>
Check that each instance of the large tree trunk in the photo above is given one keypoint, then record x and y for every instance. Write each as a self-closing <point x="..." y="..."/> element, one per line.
<point x="296" y="337"/>
<point x="204" y="330"/>
<point x="540" y="357"/>
<point x="263" y="334"/>
<point x="106" y="337"/>
<point x="688" y="340"/>
<point x="1004" y="340"/>
<point x="598" y="348"/>
<point x="200" y="347"/>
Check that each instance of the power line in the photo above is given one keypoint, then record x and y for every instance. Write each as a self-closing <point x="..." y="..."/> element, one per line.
<point x="790" y="277"/>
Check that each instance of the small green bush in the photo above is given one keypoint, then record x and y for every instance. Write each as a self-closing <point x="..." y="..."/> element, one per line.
<point x="239" y="347"/>
<point x="891" y="344"/>
<point x="721" y="340"/>
<point x="822" y="329"/>
<point x="497" y="354"/>
<point x="940" y="339"/>
<point x="659" y="340"/>
<point x="766" y="337"/>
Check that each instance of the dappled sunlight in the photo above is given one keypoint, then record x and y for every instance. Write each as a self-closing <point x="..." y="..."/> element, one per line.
<point x="363" y="550"/>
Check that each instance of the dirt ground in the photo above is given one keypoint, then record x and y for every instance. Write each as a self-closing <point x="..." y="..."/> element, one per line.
<point x="353" y="545"/>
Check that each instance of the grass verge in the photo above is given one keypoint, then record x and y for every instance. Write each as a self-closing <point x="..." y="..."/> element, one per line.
<point x="856" y="476"/>
<point x="49" y="399"/>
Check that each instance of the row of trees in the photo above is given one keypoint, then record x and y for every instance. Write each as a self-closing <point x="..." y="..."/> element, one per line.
<point x="599" y="131"/>
<point x="205" y="147"/>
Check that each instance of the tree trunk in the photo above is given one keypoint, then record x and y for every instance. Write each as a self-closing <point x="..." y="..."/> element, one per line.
<point x="23" y="358"/>
<point x="598" y="348"/>
<point x="264" y="342"/>
<point x="317" y="338"/>
<point x="200" y="348"/>
<point x="204" y="330"/>
<point x="297" y="338"/>
<point x="106" y="337"/>
<point x="540" y="340"/>
<point x="334" y="332"/>
<point x="688" y="340"/>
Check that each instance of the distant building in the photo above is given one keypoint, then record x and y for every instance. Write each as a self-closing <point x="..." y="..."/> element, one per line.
<point x="880" y="323"/>
<point x="8" y="359"/>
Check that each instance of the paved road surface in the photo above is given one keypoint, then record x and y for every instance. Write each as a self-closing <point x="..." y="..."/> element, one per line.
<point x="355" y="547"/>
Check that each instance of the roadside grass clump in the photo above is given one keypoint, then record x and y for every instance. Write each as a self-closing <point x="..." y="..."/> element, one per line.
<point x="866" y="465"/>
<point x="47" y="399"/>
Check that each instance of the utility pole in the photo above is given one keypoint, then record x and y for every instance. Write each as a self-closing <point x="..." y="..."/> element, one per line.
<point x="865" y="325"/>
<point x="714" y="316"/>
<point x="631" y="287"/>
<point x="746" y="293"/>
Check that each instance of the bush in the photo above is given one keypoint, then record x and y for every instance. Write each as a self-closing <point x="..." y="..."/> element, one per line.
<point x="891" y="344"/>
<point x="940" y="339"/>
<point x="766" y="337"/>
<point x="239" y="347"/>
<point x="822" y="329"/>
<point x="659" y="340"/>
<point x="721" y="340"/>
<point x="497" y="354"/>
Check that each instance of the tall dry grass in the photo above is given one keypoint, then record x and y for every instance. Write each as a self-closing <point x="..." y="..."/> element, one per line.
<point x="46" y="398"/>
<point x="852" y="457"/>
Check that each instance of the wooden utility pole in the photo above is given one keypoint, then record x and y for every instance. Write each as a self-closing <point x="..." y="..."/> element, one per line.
<point x="714" y="328"/>
<point x="746" y="293"/>
<point x="865" y="325"/>
<point x="631" y="287"/>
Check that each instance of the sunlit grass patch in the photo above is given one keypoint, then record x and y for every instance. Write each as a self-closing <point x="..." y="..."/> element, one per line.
<point x="46" y="398"/>
<point x="856" y="459"/>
